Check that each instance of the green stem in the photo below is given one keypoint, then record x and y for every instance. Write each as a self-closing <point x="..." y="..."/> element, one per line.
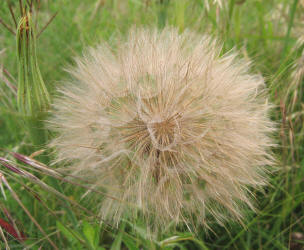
<point x="230" y="14"/>
<point x="290" y="24"/>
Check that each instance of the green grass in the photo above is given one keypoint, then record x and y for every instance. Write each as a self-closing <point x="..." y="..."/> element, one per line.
<point x="249" y="26"/>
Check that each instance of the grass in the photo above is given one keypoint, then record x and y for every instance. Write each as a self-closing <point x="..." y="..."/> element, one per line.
<point x="264" y="31"/>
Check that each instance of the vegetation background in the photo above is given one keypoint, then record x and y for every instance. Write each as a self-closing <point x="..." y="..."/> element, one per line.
<point x="270" y="33"/>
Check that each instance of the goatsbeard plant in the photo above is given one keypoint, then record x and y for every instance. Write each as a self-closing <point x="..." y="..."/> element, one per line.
<point x="173" y="131"/>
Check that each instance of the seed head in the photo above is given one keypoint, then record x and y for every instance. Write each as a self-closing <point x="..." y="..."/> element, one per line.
<point x="171" y="129"/>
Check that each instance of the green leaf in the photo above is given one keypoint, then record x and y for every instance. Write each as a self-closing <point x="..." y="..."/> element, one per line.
<point x="173" y="240"/>
<point x="117" y="242"/>
<point x="70" y="234"/>
<point x="90" y="234"/>
<point x="129" y="242"/>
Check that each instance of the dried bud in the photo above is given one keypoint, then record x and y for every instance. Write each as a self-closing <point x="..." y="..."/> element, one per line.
<point x="33" y="96"/>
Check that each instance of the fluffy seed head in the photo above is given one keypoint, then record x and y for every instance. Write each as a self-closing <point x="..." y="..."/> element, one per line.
<point x="174" y="131"/>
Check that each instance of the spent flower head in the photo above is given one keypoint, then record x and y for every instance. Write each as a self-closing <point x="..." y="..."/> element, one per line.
<point x="165" y="124"/>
